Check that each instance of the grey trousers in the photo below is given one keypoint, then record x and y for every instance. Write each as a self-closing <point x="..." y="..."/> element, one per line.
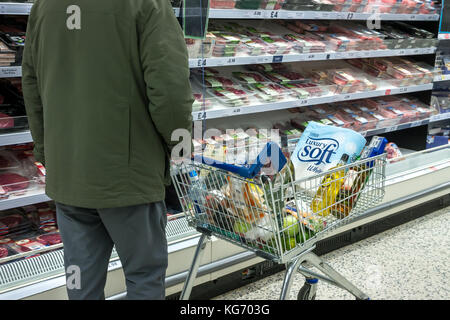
<point x="138" y="233"/>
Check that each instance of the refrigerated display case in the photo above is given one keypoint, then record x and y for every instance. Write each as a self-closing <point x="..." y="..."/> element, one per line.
<point x="265" y="40"/>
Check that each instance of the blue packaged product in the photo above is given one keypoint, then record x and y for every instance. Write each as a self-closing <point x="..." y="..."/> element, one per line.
<point x="321" y="147"/>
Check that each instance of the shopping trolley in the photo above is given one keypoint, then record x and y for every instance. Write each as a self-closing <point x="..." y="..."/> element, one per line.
<point x="265" y="210"/>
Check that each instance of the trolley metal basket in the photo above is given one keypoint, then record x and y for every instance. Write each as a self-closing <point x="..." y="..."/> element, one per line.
<point x="279" y="218"/>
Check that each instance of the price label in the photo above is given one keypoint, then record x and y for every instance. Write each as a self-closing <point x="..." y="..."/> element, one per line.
<point x="200" y="115"/>
<point x="403" y="90"/>
<point x="201" y="62"/>
<point x="416" y="123"/>
<point x="413" y="17"/>
<point x="114" y="264"/>
<point x="390" y="129"/>
<point x="401" y="52"/>
<point x="231" y="61"/>
<point x="303" y="102"/>
<point x="311" y="56"/>
<point x="254" y="14"/>
<point x="350" y="54"/>
<point x="236" y="110"/>
<point x="347" y="97"/>
<point x="273" y="14"/>
<point x="10" y="72"/>
<point x="277" y="59"/>
<point x="350" y="16"/>
<point x="325" y="15"/>
<point x="415" y="51"/>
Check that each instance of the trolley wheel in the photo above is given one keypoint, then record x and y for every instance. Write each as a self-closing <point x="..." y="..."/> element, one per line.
<point x="305" y="291"/>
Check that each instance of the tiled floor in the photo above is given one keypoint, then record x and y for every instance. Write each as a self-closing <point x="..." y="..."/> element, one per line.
<point x="408" y="262"/>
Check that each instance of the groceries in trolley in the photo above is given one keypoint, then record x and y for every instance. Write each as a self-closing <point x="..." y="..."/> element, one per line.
<point x="273" y="211"/>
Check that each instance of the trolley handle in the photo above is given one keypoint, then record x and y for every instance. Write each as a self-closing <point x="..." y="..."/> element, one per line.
<point x="270" y="154"/>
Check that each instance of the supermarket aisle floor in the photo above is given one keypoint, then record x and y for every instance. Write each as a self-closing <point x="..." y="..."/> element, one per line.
<point x="408" y="262"/>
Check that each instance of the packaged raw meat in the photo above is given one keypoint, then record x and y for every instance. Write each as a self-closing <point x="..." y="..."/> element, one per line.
<point x="271" y="4"/>
<point x="409" y="113"/>
<point x="254" y="47"/>
<point x="306" y="43"/>
<point x="297" y="90"/>
<point x="275" y="44"/>
<point x="13" y="183"/>
<point x="26" y="245"/>
<point x="248" y="4"/>
<point x="317" y="89"/>
<point x="345" y="80"/>
<point x="6" y="122"/>
<point x="49" y="239"/>
<point x="346" y="118"/>
<point x="392" y="115"/>
<point x="268" y="92"/>
<point x="231" y="96"/>
<point x="393" y="152"/>
<point x="312" y="26"/>
<point x="284" y="77"/>
<point x="249" y="77"/>
<point x="215" y="81"/>
<point x="222" y="4"/>
<point x="8" y="161"/>
<point x="3" y="251"/>
<point x="262" y="68"/>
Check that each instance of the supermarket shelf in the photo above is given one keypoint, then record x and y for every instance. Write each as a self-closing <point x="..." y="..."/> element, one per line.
<point x="32" y="197"/>
<point x="16" y="71"/>
<point x="443" y="77"/>
<point x="440" y="117"/>
<point x="13" y="8"/>
<point x="25" y="136"/>
<point x="314" y="15"/>
<point x="232" y="61"/>
<point x="234" y="111"/>
<point x="15" y="138"/>
<point x="398" y="127"/>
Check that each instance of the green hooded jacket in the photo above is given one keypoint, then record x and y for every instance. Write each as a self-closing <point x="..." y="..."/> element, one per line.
<point x="105" y="83"/>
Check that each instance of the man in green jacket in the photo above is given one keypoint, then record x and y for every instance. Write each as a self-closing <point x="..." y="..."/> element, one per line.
<point x="105" y="84"/>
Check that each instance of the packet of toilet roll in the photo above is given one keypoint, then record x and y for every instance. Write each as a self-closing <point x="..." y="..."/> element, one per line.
<point x="321" y="147"/>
